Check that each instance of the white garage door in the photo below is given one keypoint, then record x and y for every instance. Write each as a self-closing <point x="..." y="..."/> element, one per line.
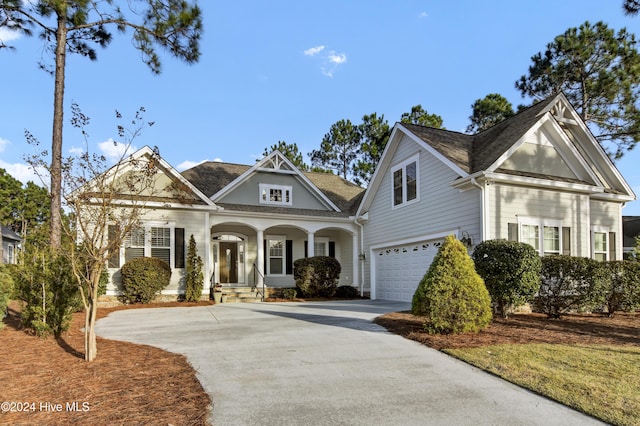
<point x="399" y="269"/>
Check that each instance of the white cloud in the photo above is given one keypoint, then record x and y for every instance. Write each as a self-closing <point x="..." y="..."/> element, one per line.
<point x="312" y="51"/>
<point x="115" y="150"/>
<point x="75" y="150"/>
<point x="3" y="143"/>
<point x="423" y="15"/>
<point x="8" y="35"/>
<point x="329" y="60"/>
<point x="185" y="165"/>
<point x="24" y="173"/>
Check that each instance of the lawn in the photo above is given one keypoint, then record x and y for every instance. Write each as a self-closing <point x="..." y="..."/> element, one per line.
<point x="588" y="362"/>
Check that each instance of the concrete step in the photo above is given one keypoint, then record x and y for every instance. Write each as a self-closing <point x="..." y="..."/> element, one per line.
<point x="241" y="295"/>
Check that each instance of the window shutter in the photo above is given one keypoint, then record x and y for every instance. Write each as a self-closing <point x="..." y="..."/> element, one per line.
<point x="512" y="232"/>
<point x="179" y="261"/>
<point x="114" y="257"/>
<point x="306" y="250"/>
<point x="612" y="246"/>
<point x="332" y="249"/>
<point x="289" y="257"/>
<point x="566" y="241"/>
<point x="266" y="255"/>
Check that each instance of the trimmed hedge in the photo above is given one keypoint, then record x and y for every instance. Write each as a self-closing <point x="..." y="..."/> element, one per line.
<point x="317" y="276"/>
<point x="347" y="292"/>
<point x="619" y="288"/>
<point x="452" y="295"/>
<point x="511" y="272"/>
<point x="568" y="283"/>
<point x="143" y="278"/>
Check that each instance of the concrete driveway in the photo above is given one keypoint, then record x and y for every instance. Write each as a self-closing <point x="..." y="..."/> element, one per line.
<point x="327" y="364"/>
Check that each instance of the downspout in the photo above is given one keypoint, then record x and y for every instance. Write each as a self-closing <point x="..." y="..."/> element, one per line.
<point x="483" y="226"/>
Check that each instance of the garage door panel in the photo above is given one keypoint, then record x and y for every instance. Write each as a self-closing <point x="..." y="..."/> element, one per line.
<point x="400" y="268"/>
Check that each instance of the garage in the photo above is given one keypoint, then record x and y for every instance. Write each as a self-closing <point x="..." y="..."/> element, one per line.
<point x="399" y="269"/>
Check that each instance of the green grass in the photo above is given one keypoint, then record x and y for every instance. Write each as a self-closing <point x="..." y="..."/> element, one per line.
<point x="602" y="381"/>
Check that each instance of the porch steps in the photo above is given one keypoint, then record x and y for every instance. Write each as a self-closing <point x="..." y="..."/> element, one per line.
<point x="240" y="295"/>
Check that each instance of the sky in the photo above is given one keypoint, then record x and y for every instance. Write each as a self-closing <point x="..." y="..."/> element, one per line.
<point x="285" y="70"/>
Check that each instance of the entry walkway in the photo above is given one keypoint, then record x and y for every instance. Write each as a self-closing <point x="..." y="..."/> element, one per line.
<point x="326" y="363"/>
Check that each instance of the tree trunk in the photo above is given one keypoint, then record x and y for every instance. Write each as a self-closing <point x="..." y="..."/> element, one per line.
<point x="56" y="139"/>
<point x="91" y="310"/>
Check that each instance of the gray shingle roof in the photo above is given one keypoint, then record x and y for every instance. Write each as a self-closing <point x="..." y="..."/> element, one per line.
<point x="8" y="234"/>
<point x="210" y="177"/>
<point x="474" y="153"/>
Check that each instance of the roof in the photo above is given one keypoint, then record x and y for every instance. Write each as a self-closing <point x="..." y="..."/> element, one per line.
<point x="8" y="234"/>
<point x="211" y="177"/>
<point x="474" y="153"/>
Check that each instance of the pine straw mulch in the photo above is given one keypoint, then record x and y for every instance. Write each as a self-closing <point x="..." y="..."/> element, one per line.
<point x="587" y="329"/>
<point x="126" y="384"/>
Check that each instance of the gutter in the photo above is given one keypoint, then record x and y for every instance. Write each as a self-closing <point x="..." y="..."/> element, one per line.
<point x="483" y="227"/>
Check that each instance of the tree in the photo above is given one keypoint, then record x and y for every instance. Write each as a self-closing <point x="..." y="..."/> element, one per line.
<point x="291" y="151"/>
<point x="375" y="133"/>
<point x="510" y="270"/>
<point x="489" y="111"/>
<point x="599" y="72"/>
<point x="631" y="7"/>
<point x="451" y="294"/>
<point x="420" y="116"/>
<point x="72" y="26"/>
<point x="339" y="148"/>
<point x="194" y="280"/>
<point x="11" y="194"/>
<point x="102" y="199"/>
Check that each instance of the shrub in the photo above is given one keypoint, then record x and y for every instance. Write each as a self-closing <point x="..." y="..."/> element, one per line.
<point x="567" y="283"/>
<point x="619" y="288"/>
<point x="6" y="292"/>
<point x="289" y="293"/>
<point x="347" y="292"/>
<point x="317" y="276"/>
<point x="194" y="281"/>
<point x="451" y="294"/>
<point x="143" y="278"/>
<point x="511" y="272"/>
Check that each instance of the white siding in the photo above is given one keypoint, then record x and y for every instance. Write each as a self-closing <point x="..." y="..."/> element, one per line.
<point x="441" y="207"/>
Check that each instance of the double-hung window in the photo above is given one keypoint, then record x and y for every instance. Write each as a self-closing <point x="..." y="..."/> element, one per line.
<point x="404" y="182"/>
<point x="276" y="255"/>
<point x="545" y="236"/>
<point x="603" y="243"/>
<point x="148" y="240"/>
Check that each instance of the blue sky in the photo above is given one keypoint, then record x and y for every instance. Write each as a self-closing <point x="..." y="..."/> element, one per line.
<point x="285" y="70"/>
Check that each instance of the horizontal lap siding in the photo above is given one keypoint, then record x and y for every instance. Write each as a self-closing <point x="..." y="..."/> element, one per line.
<point x="508" y="202"/>
<point x="440" y="208"/>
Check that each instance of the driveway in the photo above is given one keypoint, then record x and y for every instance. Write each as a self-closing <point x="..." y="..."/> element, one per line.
<point x="326" y="363"/>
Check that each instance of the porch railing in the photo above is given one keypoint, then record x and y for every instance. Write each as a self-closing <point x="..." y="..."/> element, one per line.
<point x="256" y="273"/>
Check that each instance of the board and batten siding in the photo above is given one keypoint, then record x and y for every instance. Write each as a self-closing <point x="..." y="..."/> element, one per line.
<point x="440" y="207"/>
<point x="509" y="202"/>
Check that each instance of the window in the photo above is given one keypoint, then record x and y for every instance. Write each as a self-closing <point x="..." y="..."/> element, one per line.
<point x="149" y="241"/>
<point x="545" y="236"/>
<point x="10" y="255"/>
<point x="275" y="255"/>
<point x="600" y="246"/>
<point x="321" y="246"/>
<point x="405" y="182"/>
<point x="275" y="194"/>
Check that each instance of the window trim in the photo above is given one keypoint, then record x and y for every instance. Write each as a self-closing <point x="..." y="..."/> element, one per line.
<point x="147" y="241"/>
<point x="321" y="240"/>
<point x="541" y="224"/>
<point x="402" y="166"/>
<point x="264" y="190"/>
<point x="267" y="254"/>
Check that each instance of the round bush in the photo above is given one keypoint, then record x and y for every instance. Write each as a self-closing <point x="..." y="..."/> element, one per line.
<point x="347" y="292"/>
<point x="143" y="278"/>
<point x="317" y="276"/>
<point x="511" y="272"/>
<point x="451" y="294"/>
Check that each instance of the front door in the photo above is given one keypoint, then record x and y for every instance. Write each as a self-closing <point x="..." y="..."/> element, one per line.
<point x="228" y="262"/>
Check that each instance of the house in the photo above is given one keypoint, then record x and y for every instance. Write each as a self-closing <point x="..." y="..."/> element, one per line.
<point x="630" y="231"/>
<point x="249" y="223"/>
<point x="538" y="177"/>
<point x="10" y="245"/>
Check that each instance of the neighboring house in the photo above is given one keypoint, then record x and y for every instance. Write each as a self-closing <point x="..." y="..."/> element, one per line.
<point x="10" y="245"/>
<point x="539" y="177"/>
<point x="249" y="223"/>
<point x="630" y="230"/>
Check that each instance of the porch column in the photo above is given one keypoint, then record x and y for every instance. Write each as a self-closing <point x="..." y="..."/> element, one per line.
<point x="310" y="245"/>
<point x="260" y="257"/>
<point x="355" y="260"/>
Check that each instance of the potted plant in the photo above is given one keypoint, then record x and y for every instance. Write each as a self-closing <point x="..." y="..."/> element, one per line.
<point x="217" y="293"/>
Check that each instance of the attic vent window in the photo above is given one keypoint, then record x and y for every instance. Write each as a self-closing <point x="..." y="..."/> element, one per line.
<point x="275" y="194"/>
